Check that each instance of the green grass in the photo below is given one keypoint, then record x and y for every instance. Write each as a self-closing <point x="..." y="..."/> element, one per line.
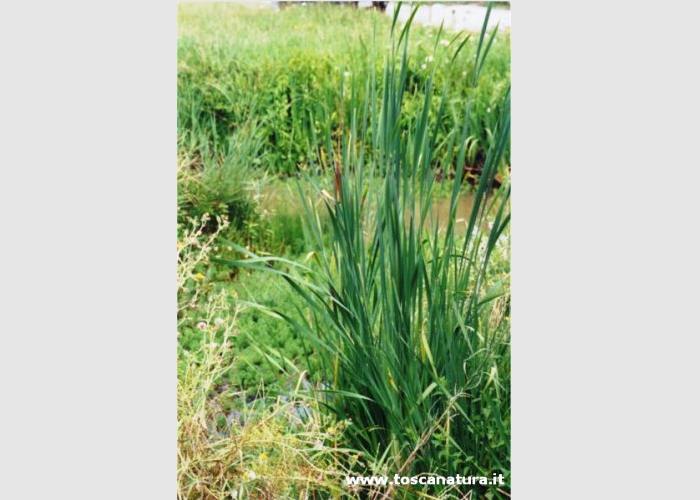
<point x="291" y="70"/>
<point x="213" y="178"/>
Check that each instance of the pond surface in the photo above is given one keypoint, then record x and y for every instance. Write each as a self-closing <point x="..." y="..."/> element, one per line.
<point x="283" y="197"/>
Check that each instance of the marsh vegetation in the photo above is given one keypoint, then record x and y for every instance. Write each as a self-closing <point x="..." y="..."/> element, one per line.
<point x="343" y="300"/>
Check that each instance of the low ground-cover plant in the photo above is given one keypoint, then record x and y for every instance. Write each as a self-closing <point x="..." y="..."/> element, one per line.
<point x="262" y="334"/>
<point x="258" y="333"/>
<point x="291" y="70"/>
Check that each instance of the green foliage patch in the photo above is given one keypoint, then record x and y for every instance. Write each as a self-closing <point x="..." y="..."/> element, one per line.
<point x="292" y="70"/>
<point x="263" y="336"/>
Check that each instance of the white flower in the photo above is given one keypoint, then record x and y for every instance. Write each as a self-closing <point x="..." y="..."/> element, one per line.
<point x="252" y="475"/>
<point x="202" y="325"/>
<point x="423" y="66"/>
<point x="429" y="59"/>
<point x="218" y="321"/>
<point x="444" y="43"/>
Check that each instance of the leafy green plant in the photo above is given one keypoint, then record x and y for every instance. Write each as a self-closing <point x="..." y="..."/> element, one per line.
<point x="205" y="283"/>
<point x="409" y="327"/>
<point x="261" y="333"/>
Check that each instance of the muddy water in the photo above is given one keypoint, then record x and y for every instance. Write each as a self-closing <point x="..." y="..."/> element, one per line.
<point x="284" y="198"/>
<point x="440" y="211"/>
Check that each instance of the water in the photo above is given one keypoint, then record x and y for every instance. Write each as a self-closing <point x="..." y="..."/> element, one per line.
<point x="440" y="211"/>
<point x="283" y="197"/>
<point x="457" y="17"/>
